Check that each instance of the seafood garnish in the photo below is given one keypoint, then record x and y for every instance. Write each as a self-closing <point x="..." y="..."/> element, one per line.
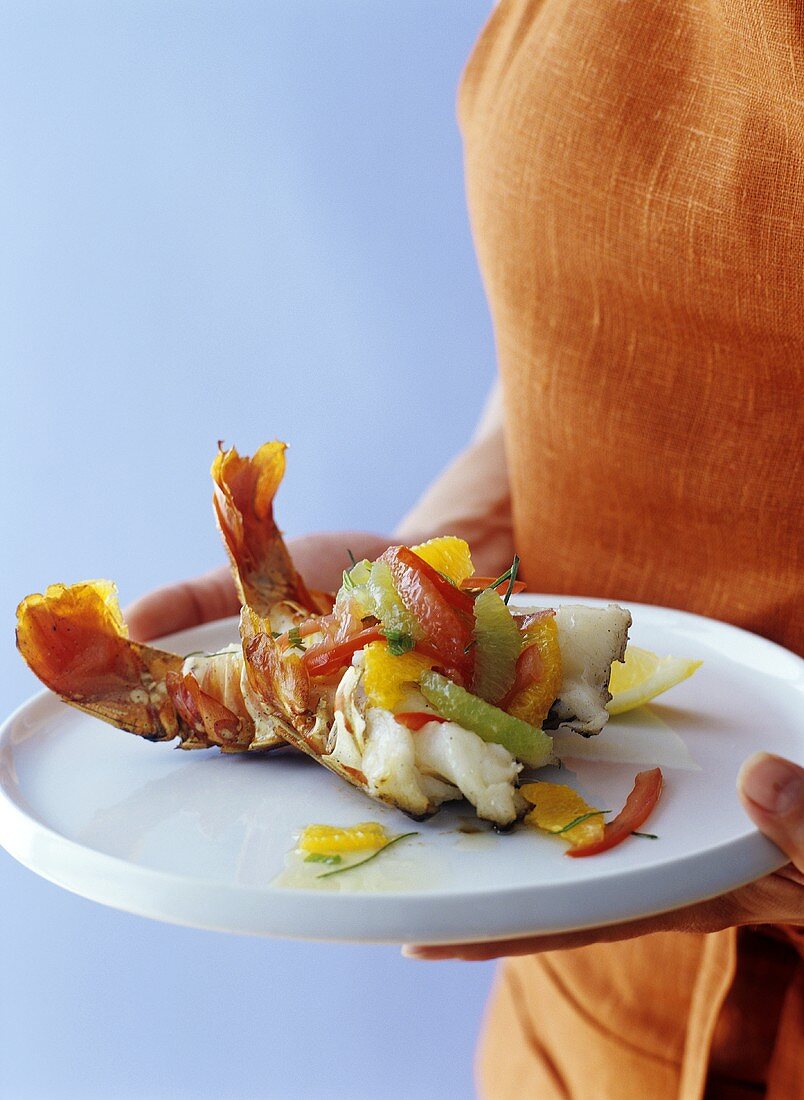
<point x="416" y="682"/>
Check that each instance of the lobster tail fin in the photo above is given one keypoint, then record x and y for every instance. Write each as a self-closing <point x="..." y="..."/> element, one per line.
<point x="243" y="499"/>
<point x="74" y="639"/>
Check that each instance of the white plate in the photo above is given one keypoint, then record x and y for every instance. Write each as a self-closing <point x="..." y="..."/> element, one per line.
<point x="199" y="838"/>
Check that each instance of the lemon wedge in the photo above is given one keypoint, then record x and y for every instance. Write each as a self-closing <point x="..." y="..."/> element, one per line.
<point x="643" y="676"/>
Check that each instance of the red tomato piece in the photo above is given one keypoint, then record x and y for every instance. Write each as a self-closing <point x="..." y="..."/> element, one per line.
<point x="453" y="595"/>
<point x="415" y="719"/>
<point x="477" y="584"/>
<point x="325" y="658"/>
<point x="637" y="808"/>
<point x="461" y="675"/>
<point x="444" y="613"/>
<point x="529" y="670"/>
<point x="320" y="624"/>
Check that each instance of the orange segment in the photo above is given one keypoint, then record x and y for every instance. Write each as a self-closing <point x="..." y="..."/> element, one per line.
<point x="449" y="555"/>
<point x="542" y="655"/>
<point x="555" y="806"/>
<point x="329" y="839"/>
<point x="386" y="676"/>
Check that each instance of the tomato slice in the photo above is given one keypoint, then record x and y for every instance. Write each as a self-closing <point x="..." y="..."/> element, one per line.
<point x="415" y="719"/>
<point x="319" y="624"/>
<point x="477" y="584"/>
<point x="529" y="670"/>
<point x="448" y="591"/>
<point x="325" y="658"/>
<point x="443" y="611"/>
<point x="637" y="808"/>
<point x="440" y="663"/>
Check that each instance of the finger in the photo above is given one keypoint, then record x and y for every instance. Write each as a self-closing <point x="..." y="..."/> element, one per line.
<point x="534" y="945"/>
<point x="789" y="872"/>
<point x="726" y="911"/>
<point x="179" y="606"/>
<point x="772" y="792"/>
<point x="321" y="558"/>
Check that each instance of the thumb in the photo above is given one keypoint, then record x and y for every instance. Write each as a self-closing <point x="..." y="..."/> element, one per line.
<point x="772" y="792"/>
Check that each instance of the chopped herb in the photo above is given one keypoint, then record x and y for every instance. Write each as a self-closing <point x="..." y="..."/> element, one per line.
<point x="648" y="836"/>
<point x="368" y="859"/>
<point x="502" y="577"/>
<point x="352" y="558"/>
<point x="578" y="820"/>
<point x="348" y="583"/>
<point x="275" y="634"/>
<point x="319" y="857"/>
<point x="470" y="645"/>
<point x="512" y="579"/>
<point x="398" y="642"/>
<point x="294" y="639"/>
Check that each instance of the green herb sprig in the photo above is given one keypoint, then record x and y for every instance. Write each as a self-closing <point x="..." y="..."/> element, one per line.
<point x="509" y="575"/>
<point x="399" y="642"/>
<point x="319" y="857"/>
<point x="368" y="859"/>
<point x="295" y="640"/>
<point x="512" y="579"/>
<point x="647" y="836"/>
<point x="578" y="820"/>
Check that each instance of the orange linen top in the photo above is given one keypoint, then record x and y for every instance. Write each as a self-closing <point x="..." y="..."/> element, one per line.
<point x="635" y="175"/>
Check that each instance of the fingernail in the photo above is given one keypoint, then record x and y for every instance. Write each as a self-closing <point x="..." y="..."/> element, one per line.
<point x="411" y="951"/>
<point x="774" y="784"/>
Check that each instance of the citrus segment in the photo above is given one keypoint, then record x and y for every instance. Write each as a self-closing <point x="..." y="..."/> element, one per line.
<point x="329" y="839"/>
<point x="387" y="606"/>
<point x="555" y="806"/>
<point x="354" y="590"/>
<point x="447" y="554"/>
<point x="644" y="675"/>
<point x="498" y="643"/>
<point x="524" y="742"/>
<point x="539" y="670"/>
<point x="386" y="677"/>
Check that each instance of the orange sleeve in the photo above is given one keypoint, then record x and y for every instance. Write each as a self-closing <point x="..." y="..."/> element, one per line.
<point x="795" y="934"/>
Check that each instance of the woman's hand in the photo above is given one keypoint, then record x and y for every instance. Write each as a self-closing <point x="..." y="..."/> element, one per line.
<point x="772" y="792"/>
<point x="179" y="606"/>
<point x="321" y="560"/>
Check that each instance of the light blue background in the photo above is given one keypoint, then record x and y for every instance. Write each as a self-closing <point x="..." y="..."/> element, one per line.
<point x="238" y="221"/>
